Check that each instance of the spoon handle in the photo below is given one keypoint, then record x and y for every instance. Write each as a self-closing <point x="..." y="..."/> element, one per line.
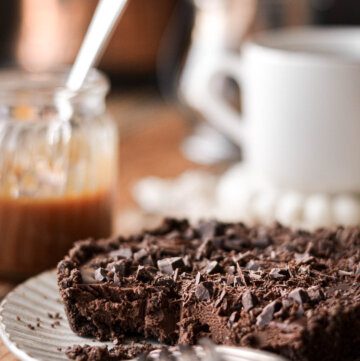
<point x="106" y="14"/>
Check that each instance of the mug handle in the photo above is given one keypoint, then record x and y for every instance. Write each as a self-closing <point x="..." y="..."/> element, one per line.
<point x="220" y="114"/>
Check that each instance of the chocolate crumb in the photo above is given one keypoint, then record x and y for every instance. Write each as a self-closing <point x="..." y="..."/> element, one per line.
<point x="103" y="353"/>
<point x="54" y="324"/>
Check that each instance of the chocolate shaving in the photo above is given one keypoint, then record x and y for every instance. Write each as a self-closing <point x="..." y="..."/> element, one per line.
<point x="236" y="244"/>
<point x="220" y="298"/>
<point x="169" y="265"/>
<point x="203" y="291"/>
<point x="261" y="242"/>
<point x="100" y="274"/>
<point x="208" y="229"/>
<point x="253" y="266"/>
<point x="344" y="273"/>
<point x="204" y="250"/>
<point x="279" y="274"/>
<point x="256" y="275"/>
<point x="304" y="258"/>
<point x="249" y="301"/>
<point x="121" y="268"/>
<point x="267" y="314"/>
<point x="176" y="274"/>
<point x="357" y="272"/>
<point x="299" y="295"/>
<point x="234" y="317"/>
<point x="212" y="267"/>
<point x="244" y="278"/>
<point x="145" y="273"/>
<point x="139" y="255"/>
<point x="315" y="294"/>
<point x="198" y="278"/>
<point x="121" y="253"/>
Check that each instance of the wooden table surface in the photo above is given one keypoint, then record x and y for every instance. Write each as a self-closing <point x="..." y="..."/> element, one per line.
<point x="151" y="132"/>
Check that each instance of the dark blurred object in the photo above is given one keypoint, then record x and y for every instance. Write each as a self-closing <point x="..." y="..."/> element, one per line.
<point x="8" y="30"/>
<point x="336" y="12"/>
<point x="173" y="47"/>
<point x="39" y="35"/>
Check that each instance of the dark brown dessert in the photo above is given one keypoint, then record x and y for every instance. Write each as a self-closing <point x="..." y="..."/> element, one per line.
<point x="294" y="293"/>
<point x="101" y="353"/>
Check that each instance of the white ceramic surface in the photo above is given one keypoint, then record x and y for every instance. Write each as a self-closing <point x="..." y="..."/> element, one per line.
<point x="34" y="299"/>
<point x="301" y="114"/>
<point x="37" y="297"/>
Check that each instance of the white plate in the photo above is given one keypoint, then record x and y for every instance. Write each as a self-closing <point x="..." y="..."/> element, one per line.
<point x="39" y="296"/>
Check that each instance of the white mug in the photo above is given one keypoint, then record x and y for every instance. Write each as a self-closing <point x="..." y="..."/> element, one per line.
<point x="300" y="94"/>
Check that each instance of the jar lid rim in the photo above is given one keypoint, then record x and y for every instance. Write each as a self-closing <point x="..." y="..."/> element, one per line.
<point x="16" y="81"/>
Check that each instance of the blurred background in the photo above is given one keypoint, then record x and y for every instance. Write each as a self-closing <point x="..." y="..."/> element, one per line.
<point x="152" y="39"/>
<point x="169" y="154"/>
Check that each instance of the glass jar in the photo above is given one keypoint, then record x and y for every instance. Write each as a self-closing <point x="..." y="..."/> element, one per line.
<point x="58" y="165"/>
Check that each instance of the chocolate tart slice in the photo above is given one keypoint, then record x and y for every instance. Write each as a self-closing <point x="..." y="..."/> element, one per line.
<point x="294" y="293"/>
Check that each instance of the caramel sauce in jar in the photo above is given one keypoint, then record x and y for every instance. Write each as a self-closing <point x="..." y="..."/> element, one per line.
<point x="58" y="167"/>
<point x="36" y="234"/>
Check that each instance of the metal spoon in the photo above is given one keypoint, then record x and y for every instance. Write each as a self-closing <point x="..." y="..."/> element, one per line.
<point x="106" y="14"/>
